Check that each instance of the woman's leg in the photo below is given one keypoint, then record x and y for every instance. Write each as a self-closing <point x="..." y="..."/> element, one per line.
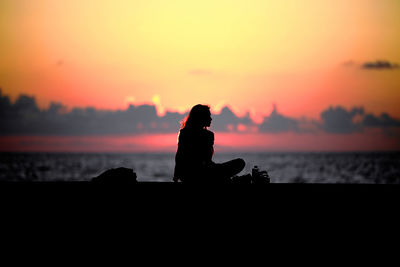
<point x="228" y="169"/>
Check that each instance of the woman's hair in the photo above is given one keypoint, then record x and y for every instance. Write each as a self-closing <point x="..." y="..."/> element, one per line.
<point x="197" y="117"/>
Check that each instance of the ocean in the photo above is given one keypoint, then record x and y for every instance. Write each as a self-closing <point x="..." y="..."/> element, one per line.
<point x="282" y="167"/>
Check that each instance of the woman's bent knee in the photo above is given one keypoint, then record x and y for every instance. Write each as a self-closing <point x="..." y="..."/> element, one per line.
<point x="240" y="163"/>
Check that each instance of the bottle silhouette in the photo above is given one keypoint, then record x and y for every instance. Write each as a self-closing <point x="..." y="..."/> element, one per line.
<point x="254" y="172"/>
<point x="259" y="177"/>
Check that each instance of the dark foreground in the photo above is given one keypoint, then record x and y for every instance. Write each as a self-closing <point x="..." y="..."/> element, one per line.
<point x="120" y="187"/>
<point x="173" y="205"/>
<point x="274" y="192"/>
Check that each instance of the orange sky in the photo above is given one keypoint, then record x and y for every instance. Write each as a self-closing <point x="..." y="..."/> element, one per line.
<point x="177" y="53"/>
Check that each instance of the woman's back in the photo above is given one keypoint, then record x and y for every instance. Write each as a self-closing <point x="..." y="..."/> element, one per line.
<point x="194" y="154"/>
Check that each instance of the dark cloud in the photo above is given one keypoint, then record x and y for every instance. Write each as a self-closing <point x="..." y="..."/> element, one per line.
<point x="306" y="125"/>
<point x="26" y="105"/>
<point x="383" y="121"/>
<point x="380" y="65"/>
<point x="339" y="120"/>
<point x="171" y="121"/>
<point x="5" y="104"/>
<point x="23" y="117"/>
<point x="389" y="125"/>
<point x="227" y="120"/>
<point x="277" y="123"/>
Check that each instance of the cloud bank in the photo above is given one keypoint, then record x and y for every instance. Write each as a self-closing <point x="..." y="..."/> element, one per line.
<point x="23" y="117"/>
<point x="277" y="123"/>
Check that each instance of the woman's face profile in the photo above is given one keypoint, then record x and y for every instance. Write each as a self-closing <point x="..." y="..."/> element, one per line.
<point x="208" y="120"/>
<point x="199" y="117"/>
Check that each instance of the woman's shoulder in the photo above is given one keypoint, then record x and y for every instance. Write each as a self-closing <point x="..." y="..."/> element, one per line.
<point x="185" y="133"/>
<point x="189" y="132"/>
<point x="208" y="133"/>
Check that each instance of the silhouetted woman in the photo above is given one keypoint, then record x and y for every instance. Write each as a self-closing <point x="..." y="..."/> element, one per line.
<point x="193" y="159"/>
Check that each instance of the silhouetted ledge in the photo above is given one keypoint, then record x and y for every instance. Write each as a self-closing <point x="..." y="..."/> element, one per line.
<point x="124" y="175"/>
<point x="123" y="183"/>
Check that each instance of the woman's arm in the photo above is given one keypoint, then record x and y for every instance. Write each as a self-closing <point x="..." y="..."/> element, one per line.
<point x="210" y="146"/>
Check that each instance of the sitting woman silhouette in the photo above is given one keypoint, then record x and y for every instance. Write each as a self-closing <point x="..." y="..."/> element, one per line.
<point x="193" y="159"/>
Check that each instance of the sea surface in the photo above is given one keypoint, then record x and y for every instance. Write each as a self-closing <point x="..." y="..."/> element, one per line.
<point x="299" y="167"/>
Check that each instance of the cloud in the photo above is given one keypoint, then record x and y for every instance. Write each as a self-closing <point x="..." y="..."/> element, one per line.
<point x="5" y="104"/>
<point x="227" y="120"/>
<point x="171" y="121"/>
<point x="26" y="104"/>
<point x="380" y="65"/>
<point x="23" y="117"/>
<point x="383" y="121"/>
<point x="339" y="120"/>
<point x="389" y="125"/>
<point x="277" y="123"/>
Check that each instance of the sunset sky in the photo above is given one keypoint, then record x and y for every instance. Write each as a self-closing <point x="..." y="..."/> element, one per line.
<point x="302" y="55"/>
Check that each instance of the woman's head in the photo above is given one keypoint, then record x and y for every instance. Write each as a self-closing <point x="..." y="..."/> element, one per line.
<point x="199" y="117"/>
